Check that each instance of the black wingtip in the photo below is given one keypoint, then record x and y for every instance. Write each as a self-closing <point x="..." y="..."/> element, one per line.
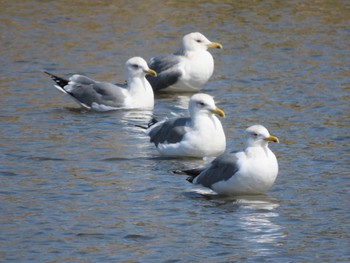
<point x="193" y="173"/>
<point x="152" y="122"/>
<point x="190" y="179"/>
<point x="179" y="172"/>
<point x="149" y="124"/>
<point x="50" y="74"/>
<point x="59" y="81"/>
<point x="141" y="126"/>
<point x="188" y="172"/>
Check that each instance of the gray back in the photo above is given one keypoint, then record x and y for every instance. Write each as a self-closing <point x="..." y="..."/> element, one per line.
<point x="171" y="131"/>
<point x="167" y="73"/>
<point x="221" y="169"/>
<point x="99" y="92"/>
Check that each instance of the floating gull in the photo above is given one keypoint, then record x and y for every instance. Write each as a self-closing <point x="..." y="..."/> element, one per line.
<point x="200" y="135"/>
<point x="187" y="70"/>
<point x="251" y="171"/>
<point x="103" y="96"/>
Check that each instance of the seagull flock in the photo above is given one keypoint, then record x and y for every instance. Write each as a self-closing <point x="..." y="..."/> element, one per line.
<point x="251" y="171"/>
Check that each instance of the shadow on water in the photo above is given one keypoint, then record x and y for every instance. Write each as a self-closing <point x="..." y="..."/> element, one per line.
<point x="245" y="201"/>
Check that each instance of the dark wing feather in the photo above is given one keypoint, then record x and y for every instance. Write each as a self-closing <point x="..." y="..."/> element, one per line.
<point x="87" y="91"/>
<point x="98" y="92"/>
<point x="193" y="173"/>
<point x="170" y="131"/>
<point x="221" y="169"/>
<point x="61" y="82"/>
<point x="167" y="72"/>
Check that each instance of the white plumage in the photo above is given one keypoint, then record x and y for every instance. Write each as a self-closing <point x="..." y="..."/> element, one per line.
<point x="200" y="135"/>
<point x="251" y="171"/>
<point x="137" y="93"/>
<point x="187" y="70"/>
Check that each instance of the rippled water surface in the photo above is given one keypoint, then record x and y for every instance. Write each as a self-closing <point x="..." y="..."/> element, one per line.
<point x="79" y="186"/>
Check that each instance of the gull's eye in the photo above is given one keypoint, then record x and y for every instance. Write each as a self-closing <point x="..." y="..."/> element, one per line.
<point x="135" y="66"/>
<point x="198" y="41"/>
<point x="201" y="103"/>
<point x="255" y="134"/>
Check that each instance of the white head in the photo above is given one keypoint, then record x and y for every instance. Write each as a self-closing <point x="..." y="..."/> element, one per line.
<point x="258" y="135"/>
<point x="197" y="41"/>
<point x="137" y="67"/>
<point x="201" y="103"/>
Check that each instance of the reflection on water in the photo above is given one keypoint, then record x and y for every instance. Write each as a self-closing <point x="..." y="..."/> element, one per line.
<point x="258" y="220"/>
<point x="130" y="118"/>
<point x="83" y="186"/>
<point x="243" y="222"/>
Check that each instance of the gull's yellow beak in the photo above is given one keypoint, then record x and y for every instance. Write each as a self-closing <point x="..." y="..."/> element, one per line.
<point x="219" y="112"/>
<point x="151" y="72"/>
<point x="272" y="139"/>
<point x="214" y="45"/>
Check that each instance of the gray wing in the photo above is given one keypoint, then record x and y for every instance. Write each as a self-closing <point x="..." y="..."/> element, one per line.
<point x="167" y="71"/>
<point x="88" y="91"/>
<point x="170" y="131"/>
<point x="221" y="169"/>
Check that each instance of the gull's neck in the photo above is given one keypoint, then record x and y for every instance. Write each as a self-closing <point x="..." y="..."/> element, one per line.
<point x="199" y="119"/>
<point x="140" y="89"/>
<point x="137" y="84"/>
<point x="257" y="149"/>
<point x="191" y="52"/>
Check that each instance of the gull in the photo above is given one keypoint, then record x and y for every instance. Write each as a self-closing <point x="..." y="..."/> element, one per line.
<point x="200" y="135"/>
<point x="187" y="70"/>
<point x="248" y="172"/>
<point x="137" y="93"/>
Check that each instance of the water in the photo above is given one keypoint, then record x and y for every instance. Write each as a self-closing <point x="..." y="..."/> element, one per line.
<point x="79" y="186"/>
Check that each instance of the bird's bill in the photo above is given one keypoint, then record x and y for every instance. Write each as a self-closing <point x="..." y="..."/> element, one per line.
<point x="219" y="112"/>
<point x="214" y="45"/>
<point x="272" y="139"/>
<point x="151" y="72"/>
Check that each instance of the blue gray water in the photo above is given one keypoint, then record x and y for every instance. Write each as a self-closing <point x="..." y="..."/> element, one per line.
<point x="79" y="186"/>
